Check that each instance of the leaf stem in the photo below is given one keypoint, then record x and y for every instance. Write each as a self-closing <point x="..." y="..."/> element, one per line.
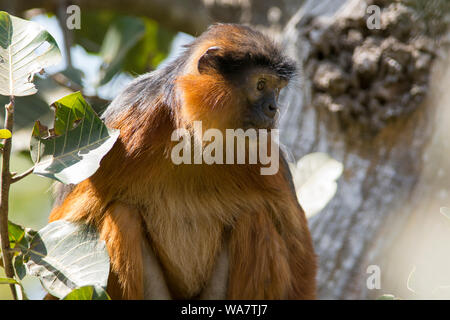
<point x="22" y="175"/>
<point x="4" y="197"/>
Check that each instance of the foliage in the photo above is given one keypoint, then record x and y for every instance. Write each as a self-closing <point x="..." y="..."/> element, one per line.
<point x="139" y="44"/>
<point x="66" y="256"/>
<point x="69" y="259"/>
<point x="20" y="58"/>
<point x="88" y="293"/>
<point x="72" y="150"/>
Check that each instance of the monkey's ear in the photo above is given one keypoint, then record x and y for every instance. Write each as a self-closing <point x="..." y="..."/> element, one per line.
<point x="207" y="59"/>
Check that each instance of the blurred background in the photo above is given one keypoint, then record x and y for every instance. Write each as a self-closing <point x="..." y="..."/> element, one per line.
<point x="372" y="93"/>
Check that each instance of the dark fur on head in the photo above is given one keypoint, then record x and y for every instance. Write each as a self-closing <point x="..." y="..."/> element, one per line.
<point x="240" y="48"/>
<point x="250" y="48"/>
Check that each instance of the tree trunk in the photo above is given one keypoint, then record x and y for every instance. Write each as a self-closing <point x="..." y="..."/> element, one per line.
<point x="393" y="174"/>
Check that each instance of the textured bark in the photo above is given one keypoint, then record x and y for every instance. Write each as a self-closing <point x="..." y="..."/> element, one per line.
<point x="385" y="163"/>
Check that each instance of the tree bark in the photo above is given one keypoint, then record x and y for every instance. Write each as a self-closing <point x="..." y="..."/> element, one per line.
<point x="379" y="212"/>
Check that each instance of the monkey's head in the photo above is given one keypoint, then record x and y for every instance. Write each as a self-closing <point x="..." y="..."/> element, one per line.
<point x="232" y="79"/>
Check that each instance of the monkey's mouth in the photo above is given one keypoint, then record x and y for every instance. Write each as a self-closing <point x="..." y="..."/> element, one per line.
<point x="260" y="124"/>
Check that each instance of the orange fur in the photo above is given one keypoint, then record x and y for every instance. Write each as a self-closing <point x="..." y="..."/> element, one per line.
<point x="185" y="211"/>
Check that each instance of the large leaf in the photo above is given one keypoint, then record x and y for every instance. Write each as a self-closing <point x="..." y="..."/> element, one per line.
<point x="72" y="151"/>
<point x="88" y="293"/>
<point x="122" y="35"/>
<point x="66" y="256"/>
<point x="19" y="238"/>
<point x="25" y="49"/>
<point x="315" y="178"/>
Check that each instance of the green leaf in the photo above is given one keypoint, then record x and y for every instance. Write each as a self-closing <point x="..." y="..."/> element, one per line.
<point x="72" y="151"/>
<point x="19" y="267"/>
<point x="122" y="35"/>
<point x="16" y="235"/>
<point x="8" y="281"/>
<point x="5" y="134"/>
<point x="88" y="293"/>
<point x="23" y="53"/>
<point x="315" y="178"/>
<point x="66" y="256"/>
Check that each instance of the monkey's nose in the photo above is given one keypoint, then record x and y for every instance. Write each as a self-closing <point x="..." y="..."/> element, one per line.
<point x="270" y="109"/>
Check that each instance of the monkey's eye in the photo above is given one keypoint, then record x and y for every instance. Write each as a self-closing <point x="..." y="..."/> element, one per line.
<point x="261" y="85"/>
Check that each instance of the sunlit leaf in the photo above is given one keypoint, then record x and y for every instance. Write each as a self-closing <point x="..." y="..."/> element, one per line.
<point x="72" y="151"/>
<point x="315" y="178"/>
<point x="66" y="256"/>
<point x="25" y="49"/>
<point x="88" y="293"/>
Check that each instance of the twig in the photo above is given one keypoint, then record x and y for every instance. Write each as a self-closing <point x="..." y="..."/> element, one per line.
<point x="4" y="197"/>
<point x="22" y="175"/>
<point x="64" y="81"/>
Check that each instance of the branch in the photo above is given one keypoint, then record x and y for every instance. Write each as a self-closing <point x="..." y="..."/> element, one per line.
<point x="62" y="80"/>
<point x="192" y="16"/>
<point x="4" y="197"/>
<point x="22" y="175"/>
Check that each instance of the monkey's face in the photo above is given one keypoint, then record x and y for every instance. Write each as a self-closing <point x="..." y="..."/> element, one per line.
<point x="260" y="90"/>
<point x="227" y="86"/>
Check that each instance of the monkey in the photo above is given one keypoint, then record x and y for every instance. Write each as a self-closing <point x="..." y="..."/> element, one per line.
<point x="198" y="231"/>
